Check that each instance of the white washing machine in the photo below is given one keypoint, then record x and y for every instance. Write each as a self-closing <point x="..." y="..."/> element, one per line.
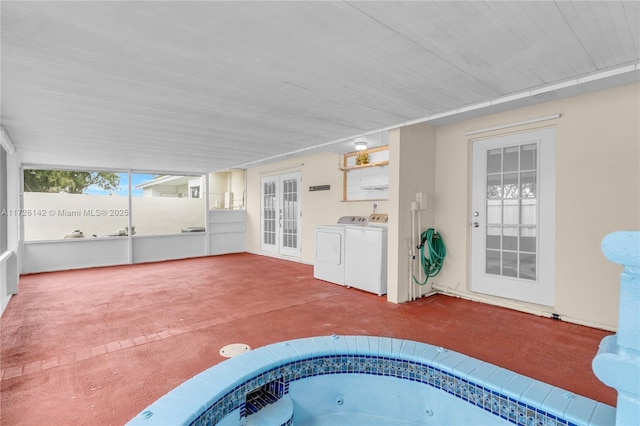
<point x="329" y="262"/>
<point x="366" y="255"/>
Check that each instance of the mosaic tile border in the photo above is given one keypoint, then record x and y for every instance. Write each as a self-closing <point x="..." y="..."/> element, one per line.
<point x="278" y="379"/>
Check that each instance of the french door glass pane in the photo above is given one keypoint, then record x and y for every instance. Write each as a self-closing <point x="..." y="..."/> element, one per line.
<point x="290" y="207"/>
<point x="269" y="213"/>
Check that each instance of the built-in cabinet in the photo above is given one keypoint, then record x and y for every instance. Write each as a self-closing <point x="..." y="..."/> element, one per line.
<point x="366" y="174"/>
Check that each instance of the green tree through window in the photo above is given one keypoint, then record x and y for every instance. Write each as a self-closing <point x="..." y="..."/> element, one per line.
<point x="69" y="181"/>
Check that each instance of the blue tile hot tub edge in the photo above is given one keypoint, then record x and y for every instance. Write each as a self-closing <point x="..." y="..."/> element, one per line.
<point x="509" y="395"/>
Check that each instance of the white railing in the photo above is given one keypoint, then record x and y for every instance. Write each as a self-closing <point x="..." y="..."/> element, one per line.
<point x="617" y="363"/>
<point x="8" y="277"/>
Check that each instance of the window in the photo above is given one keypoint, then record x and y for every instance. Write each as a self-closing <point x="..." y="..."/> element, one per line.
<point x="167" y="204"/>
<point x="62" y="204"/>
<point x="195" y="191"/>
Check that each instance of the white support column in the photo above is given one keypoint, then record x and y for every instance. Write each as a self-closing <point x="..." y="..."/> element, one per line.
<point x="411" y="170"/>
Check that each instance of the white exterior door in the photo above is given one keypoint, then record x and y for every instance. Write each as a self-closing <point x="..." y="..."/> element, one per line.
<point x="281" y="214"/>
<point x="513" y="217"/>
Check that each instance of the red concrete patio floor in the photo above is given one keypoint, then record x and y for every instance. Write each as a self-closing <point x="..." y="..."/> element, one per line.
<point x="96" y="346"/>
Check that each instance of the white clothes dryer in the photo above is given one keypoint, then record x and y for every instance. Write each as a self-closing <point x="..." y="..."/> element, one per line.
<point x="329" y="261"/>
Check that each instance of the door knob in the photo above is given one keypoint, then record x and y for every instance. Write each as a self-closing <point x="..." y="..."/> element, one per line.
<point x="475" y="224"/>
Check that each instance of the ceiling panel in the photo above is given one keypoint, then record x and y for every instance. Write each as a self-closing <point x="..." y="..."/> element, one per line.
<point x="204" y="86"/>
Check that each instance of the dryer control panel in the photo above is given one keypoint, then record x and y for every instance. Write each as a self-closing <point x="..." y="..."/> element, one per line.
<point x="379" y="218"/>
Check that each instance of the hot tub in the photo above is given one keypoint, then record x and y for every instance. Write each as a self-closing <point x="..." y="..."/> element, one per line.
<point x="365" y="380"/>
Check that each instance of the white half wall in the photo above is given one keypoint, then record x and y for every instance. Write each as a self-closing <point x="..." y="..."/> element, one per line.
<point x="154" y="248"/>
<point x="227" y="231"/>
<point x="8" y="277"/>
<point x="42" y="256"/>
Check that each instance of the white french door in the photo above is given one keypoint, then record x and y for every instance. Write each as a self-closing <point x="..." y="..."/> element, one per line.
<point x="281" y="214"/>
<point x="513" y="217"/>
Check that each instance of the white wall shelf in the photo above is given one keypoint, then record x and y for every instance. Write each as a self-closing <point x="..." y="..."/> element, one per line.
<point x="369" y="181"/>
<point x="364" y="166"/>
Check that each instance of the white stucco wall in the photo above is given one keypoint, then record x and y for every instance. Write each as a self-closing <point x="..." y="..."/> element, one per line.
<point x="597" y="192"/>
<point x="412" y="165"/>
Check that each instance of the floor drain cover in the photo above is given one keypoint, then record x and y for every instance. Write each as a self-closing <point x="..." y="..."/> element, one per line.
<point x="234" y="349"/>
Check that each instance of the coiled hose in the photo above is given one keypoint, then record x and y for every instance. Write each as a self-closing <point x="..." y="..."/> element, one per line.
<point x="433" y="244"/>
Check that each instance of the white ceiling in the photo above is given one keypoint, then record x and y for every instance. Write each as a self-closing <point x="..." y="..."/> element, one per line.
<point x="203" y="86"/>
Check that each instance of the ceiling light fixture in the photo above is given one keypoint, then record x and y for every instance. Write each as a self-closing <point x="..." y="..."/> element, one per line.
<point x="361" y="145"/>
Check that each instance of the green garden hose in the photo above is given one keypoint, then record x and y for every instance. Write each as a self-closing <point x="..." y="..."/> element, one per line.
<point x="433" y="244"/>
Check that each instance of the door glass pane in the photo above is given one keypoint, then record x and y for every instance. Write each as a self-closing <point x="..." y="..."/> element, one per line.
<point x="528" y="239"/>
<point x="528" y="266"/>
<point x="494" y="211"/>
<point x="510" y="238"/>
<point x="528" y="185"/>
<point x="493" y="237"/>
<point x="509" y="264"/>
<point x="494" y="187"/>
<point x="511" y="189"/>
<point x="529" y="211"/>
<point x="529" y="157"/>
<point x="511" y="210"/>
<point x="511" y="159"/>
<point x="494" y="161"/>
<point x="492" y="262"/>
